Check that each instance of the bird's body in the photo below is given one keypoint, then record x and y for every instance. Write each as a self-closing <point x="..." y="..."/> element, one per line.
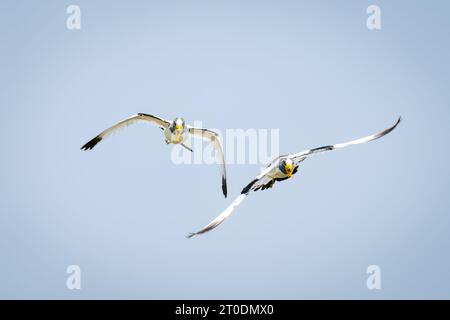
<point x="277" y="172"/>
<point x="175" y="137"/>
<point x="175" y="132"/>
<point x="283" y="168"/>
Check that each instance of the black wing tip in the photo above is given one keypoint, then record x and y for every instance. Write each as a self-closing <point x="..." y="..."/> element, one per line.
<point x="141" y="114"/>
<point x="246" y="190"/>
<point x="395" y="125"/>
<point x="190" y="235"/>
<point x="389" y="130"/>
<point x="91" y="144"/>
<point x="224" y="187"/>
<point x="324" y="148"/>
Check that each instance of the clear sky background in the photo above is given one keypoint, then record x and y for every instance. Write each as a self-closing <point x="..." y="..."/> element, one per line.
<point x="309" y="68"/>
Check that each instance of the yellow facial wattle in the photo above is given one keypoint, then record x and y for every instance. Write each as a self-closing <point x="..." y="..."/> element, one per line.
<point x="289" y="169"/>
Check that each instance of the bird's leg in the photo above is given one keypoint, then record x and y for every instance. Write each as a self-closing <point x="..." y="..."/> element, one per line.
<point x="185" y="146"/>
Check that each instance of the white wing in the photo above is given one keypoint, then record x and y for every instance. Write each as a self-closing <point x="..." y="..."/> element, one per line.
<point x="228" y="211"/>
<point x="225" y="214"/>
<point x="124" y="123"/>
<point x="260" y="180"/>
<point x="213" y="137"/>
<point x="298" y="157"/>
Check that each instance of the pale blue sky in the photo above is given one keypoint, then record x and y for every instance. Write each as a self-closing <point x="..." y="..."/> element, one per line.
<point x="310" y="68"/>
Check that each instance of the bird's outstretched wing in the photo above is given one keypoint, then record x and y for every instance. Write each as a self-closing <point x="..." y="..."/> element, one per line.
<point x="225" y="214"/>
<point x="299" y="157"/>
<point x="236" y="202"/>
<point x="261" y="181"/>
<point x="213" y="137"/>
<point x="124" y="123"/>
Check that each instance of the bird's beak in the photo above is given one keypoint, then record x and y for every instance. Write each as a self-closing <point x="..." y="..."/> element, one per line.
<point x="179" y="127"/>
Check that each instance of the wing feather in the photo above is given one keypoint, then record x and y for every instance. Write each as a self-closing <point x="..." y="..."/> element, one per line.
<point x="220" y="218"/>
<point x="260" y="180"/>
<point x="213" y="138"/>
<point x="124" y="123"/>
<point x="298" y="157"/>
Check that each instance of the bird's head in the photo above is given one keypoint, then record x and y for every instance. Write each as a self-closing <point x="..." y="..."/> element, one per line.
<point x="178" y="124"/>
<point x="287" y="166"/>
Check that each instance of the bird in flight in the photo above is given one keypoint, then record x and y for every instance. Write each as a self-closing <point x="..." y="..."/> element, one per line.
<point x="280" y="169"/>
<point x="175" y="132"/>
